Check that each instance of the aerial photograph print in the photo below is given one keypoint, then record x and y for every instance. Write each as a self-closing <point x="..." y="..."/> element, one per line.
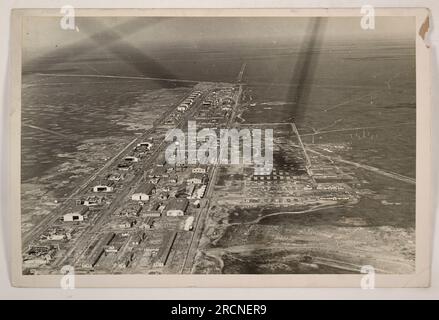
<point x="218" y="145"/>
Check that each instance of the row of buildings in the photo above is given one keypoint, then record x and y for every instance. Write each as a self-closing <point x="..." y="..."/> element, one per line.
<point x="189" y="101"/>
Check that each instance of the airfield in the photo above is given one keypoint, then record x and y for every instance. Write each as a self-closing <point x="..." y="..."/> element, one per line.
<point x="341" y="193"/>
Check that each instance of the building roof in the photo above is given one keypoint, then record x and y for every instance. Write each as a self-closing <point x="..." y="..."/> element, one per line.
<point x="197" y="176"/>
<point x="201" y="166"/>
<point x="72" y="214"/>
<point x="158" y="172"/>
<point x="145" y="188"/>
<point x="105" y="183"/>
<point x="177" y="204"/>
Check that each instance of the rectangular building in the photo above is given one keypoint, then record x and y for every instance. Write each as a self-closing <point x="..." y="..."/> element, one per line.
<point x="177" y="207"/>
<point x="143" y="192"/>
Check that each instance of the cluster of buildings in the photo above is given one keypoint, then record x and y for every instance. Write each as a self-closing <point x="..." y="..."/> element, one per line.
<point x="149" y="215"/>
<point x="160" y="192"/>
<point x="173" y="118"/>
<point x="290" y="183"/>
<point x="188" y="102"/>
<point x="57" y="234"/>
<point x="216" y="108"/>
<point x="100" y="192"/>
<point x="39" y="255"/>
<point x="164" y="192"/>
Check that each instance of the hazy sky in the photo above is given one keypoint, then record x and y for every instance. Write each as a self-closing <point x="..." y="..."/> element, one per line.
<point x="44" y="34"/>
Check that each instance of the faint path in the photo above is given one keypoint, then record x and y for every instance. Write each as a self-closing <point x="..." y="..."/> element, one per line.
<point x="357" y="128"/>
<point x="336" y="263"/>
<point x="388" y="174"/>
<point x="114" y="77"/>
<point x="347" y="101"/>
<point x="308" y="160"/>
<point x="216" y="256"/>
<point x="327" y="127"/>
<point x="257" y="220"/>
<point x="70" y="137"/>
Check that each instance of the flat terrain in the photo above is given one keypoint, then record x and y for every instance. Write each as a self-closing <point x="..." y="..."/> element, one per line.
<point x="341" y="194"/>
<point x="358" y="125"/>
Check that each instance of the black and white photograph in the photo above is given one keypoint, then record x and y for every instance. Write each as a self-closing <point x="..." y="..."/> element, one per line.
<point x="166" y="145"/>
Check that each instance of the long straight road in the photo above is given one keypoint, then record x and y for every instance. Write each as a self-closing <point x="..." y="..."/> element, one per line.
<point x="308" y="160"/>
<point x="201" y="219"/>
<point x="83" y="243"/>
